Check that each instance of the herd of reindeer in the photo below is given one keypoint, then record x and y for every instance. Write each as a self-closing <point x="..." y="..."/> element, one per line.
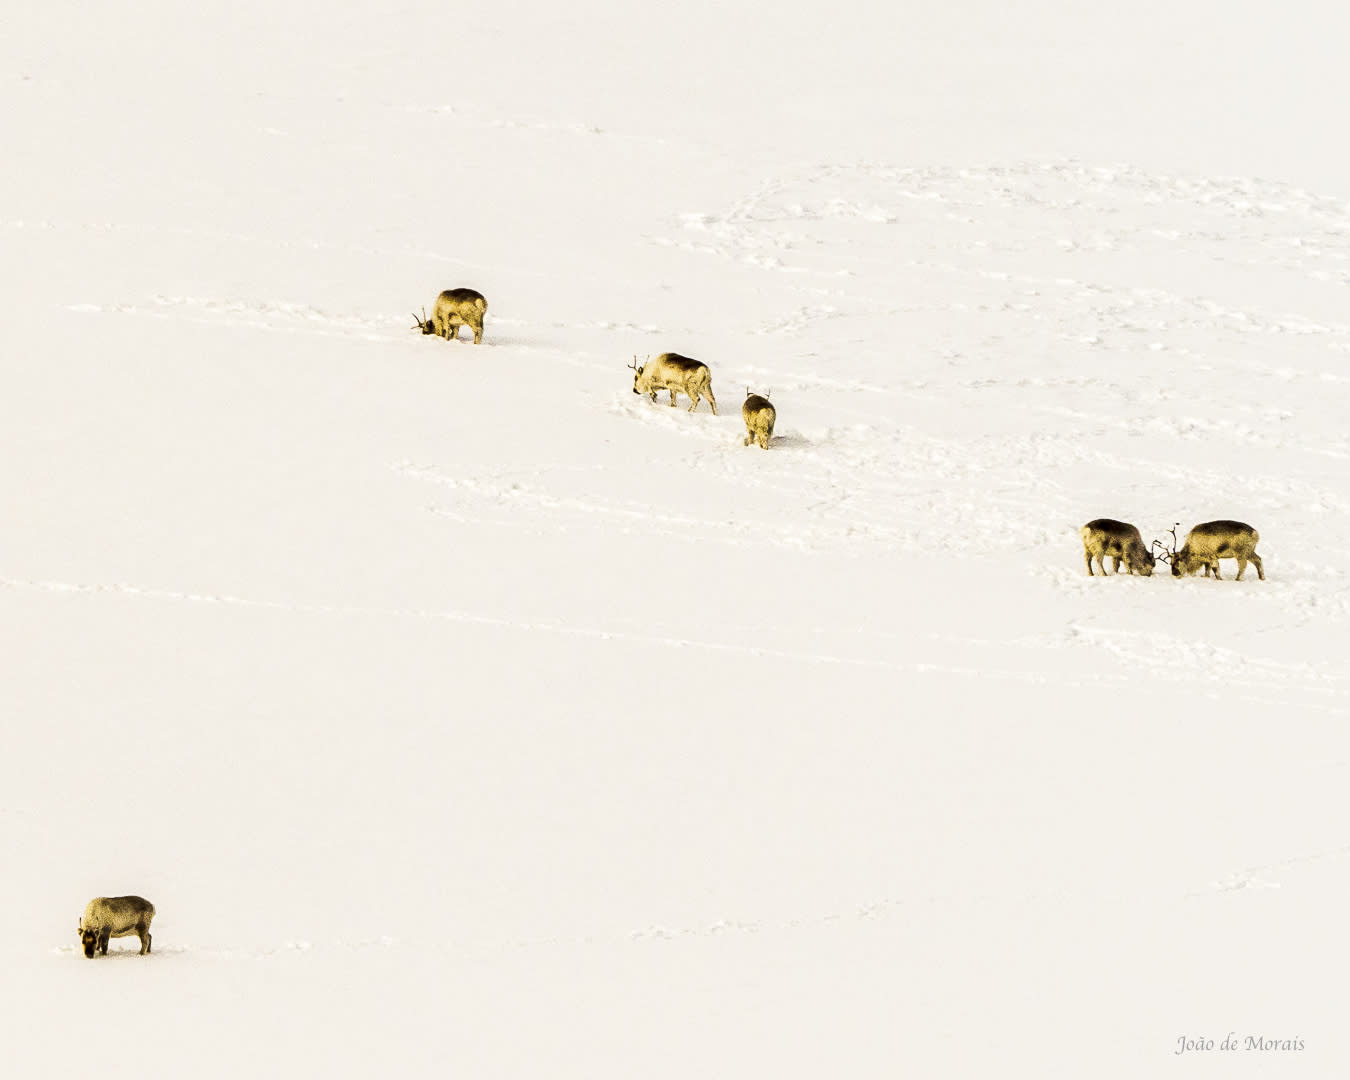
<point x="1103" y="538"/>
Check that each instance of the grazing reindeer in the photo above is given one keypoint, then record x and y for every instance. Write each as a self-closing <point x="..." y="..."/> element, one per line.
<point x="455" y="308"/>
<point x="115" y="916"/>
<point x="676" y="373"/>
<point x="759" y="416"/>
<point x="1118" y="540"/>
<point x="1211" y="541"/>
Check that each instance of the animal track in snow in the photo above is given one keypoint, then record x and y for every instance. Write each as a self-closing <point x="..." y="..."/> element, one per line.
<point x="840" y="218"/>
<point x="257" y="314"/>
<point x="731" y="643"/>
<point x="1262" y="877"/>
<point x="483" y="490"/>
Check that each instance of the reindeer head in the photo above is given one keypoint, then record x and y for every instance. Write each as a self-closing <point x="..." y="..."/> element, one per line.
<point x="637" y="370"/>
<point x="1184" y="563"/>
<point x="424" y="324"/>
<point x="89" y="939"/>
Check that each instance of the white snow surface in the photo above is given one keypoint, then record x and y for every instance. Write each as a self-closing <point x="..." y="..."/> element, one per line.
<point x="464" y="714"/>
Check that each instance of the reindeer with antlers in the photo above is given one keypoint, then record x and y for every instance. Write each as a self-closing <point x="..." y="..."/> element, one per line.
<point x="676" y="373"/>
<point x="454" y="308"/>
<point x="1119" y="541"/>
<point x="1211" y="541"/>
<point x="759" y="416"/>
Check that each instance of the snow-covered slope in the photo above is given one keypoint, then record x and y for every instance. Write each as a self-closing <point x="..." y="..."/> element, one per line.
<point x="463" y="712"/>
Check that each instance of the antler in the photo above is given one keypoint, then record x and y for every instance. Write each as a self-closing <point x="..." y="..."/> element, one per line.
<point x="1168" y="554"/>
<point x="417" y="323"/>
<point x="633" y="365"/>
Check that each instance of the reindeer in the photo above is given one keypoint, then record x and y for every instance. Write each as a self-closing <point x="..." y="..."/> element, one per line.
<point x="114" y="916"/>
<point x="454" y="308"/>
<point x="676" y="373"/>
<point x="1211" y="541"/>
<point x="759" y="416"/>
<point x="1118" y="540"/>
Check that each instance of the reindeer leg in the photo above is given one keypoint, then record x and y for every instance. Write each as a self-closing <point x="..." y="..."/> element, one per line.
<point x="1256" y="562"/>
